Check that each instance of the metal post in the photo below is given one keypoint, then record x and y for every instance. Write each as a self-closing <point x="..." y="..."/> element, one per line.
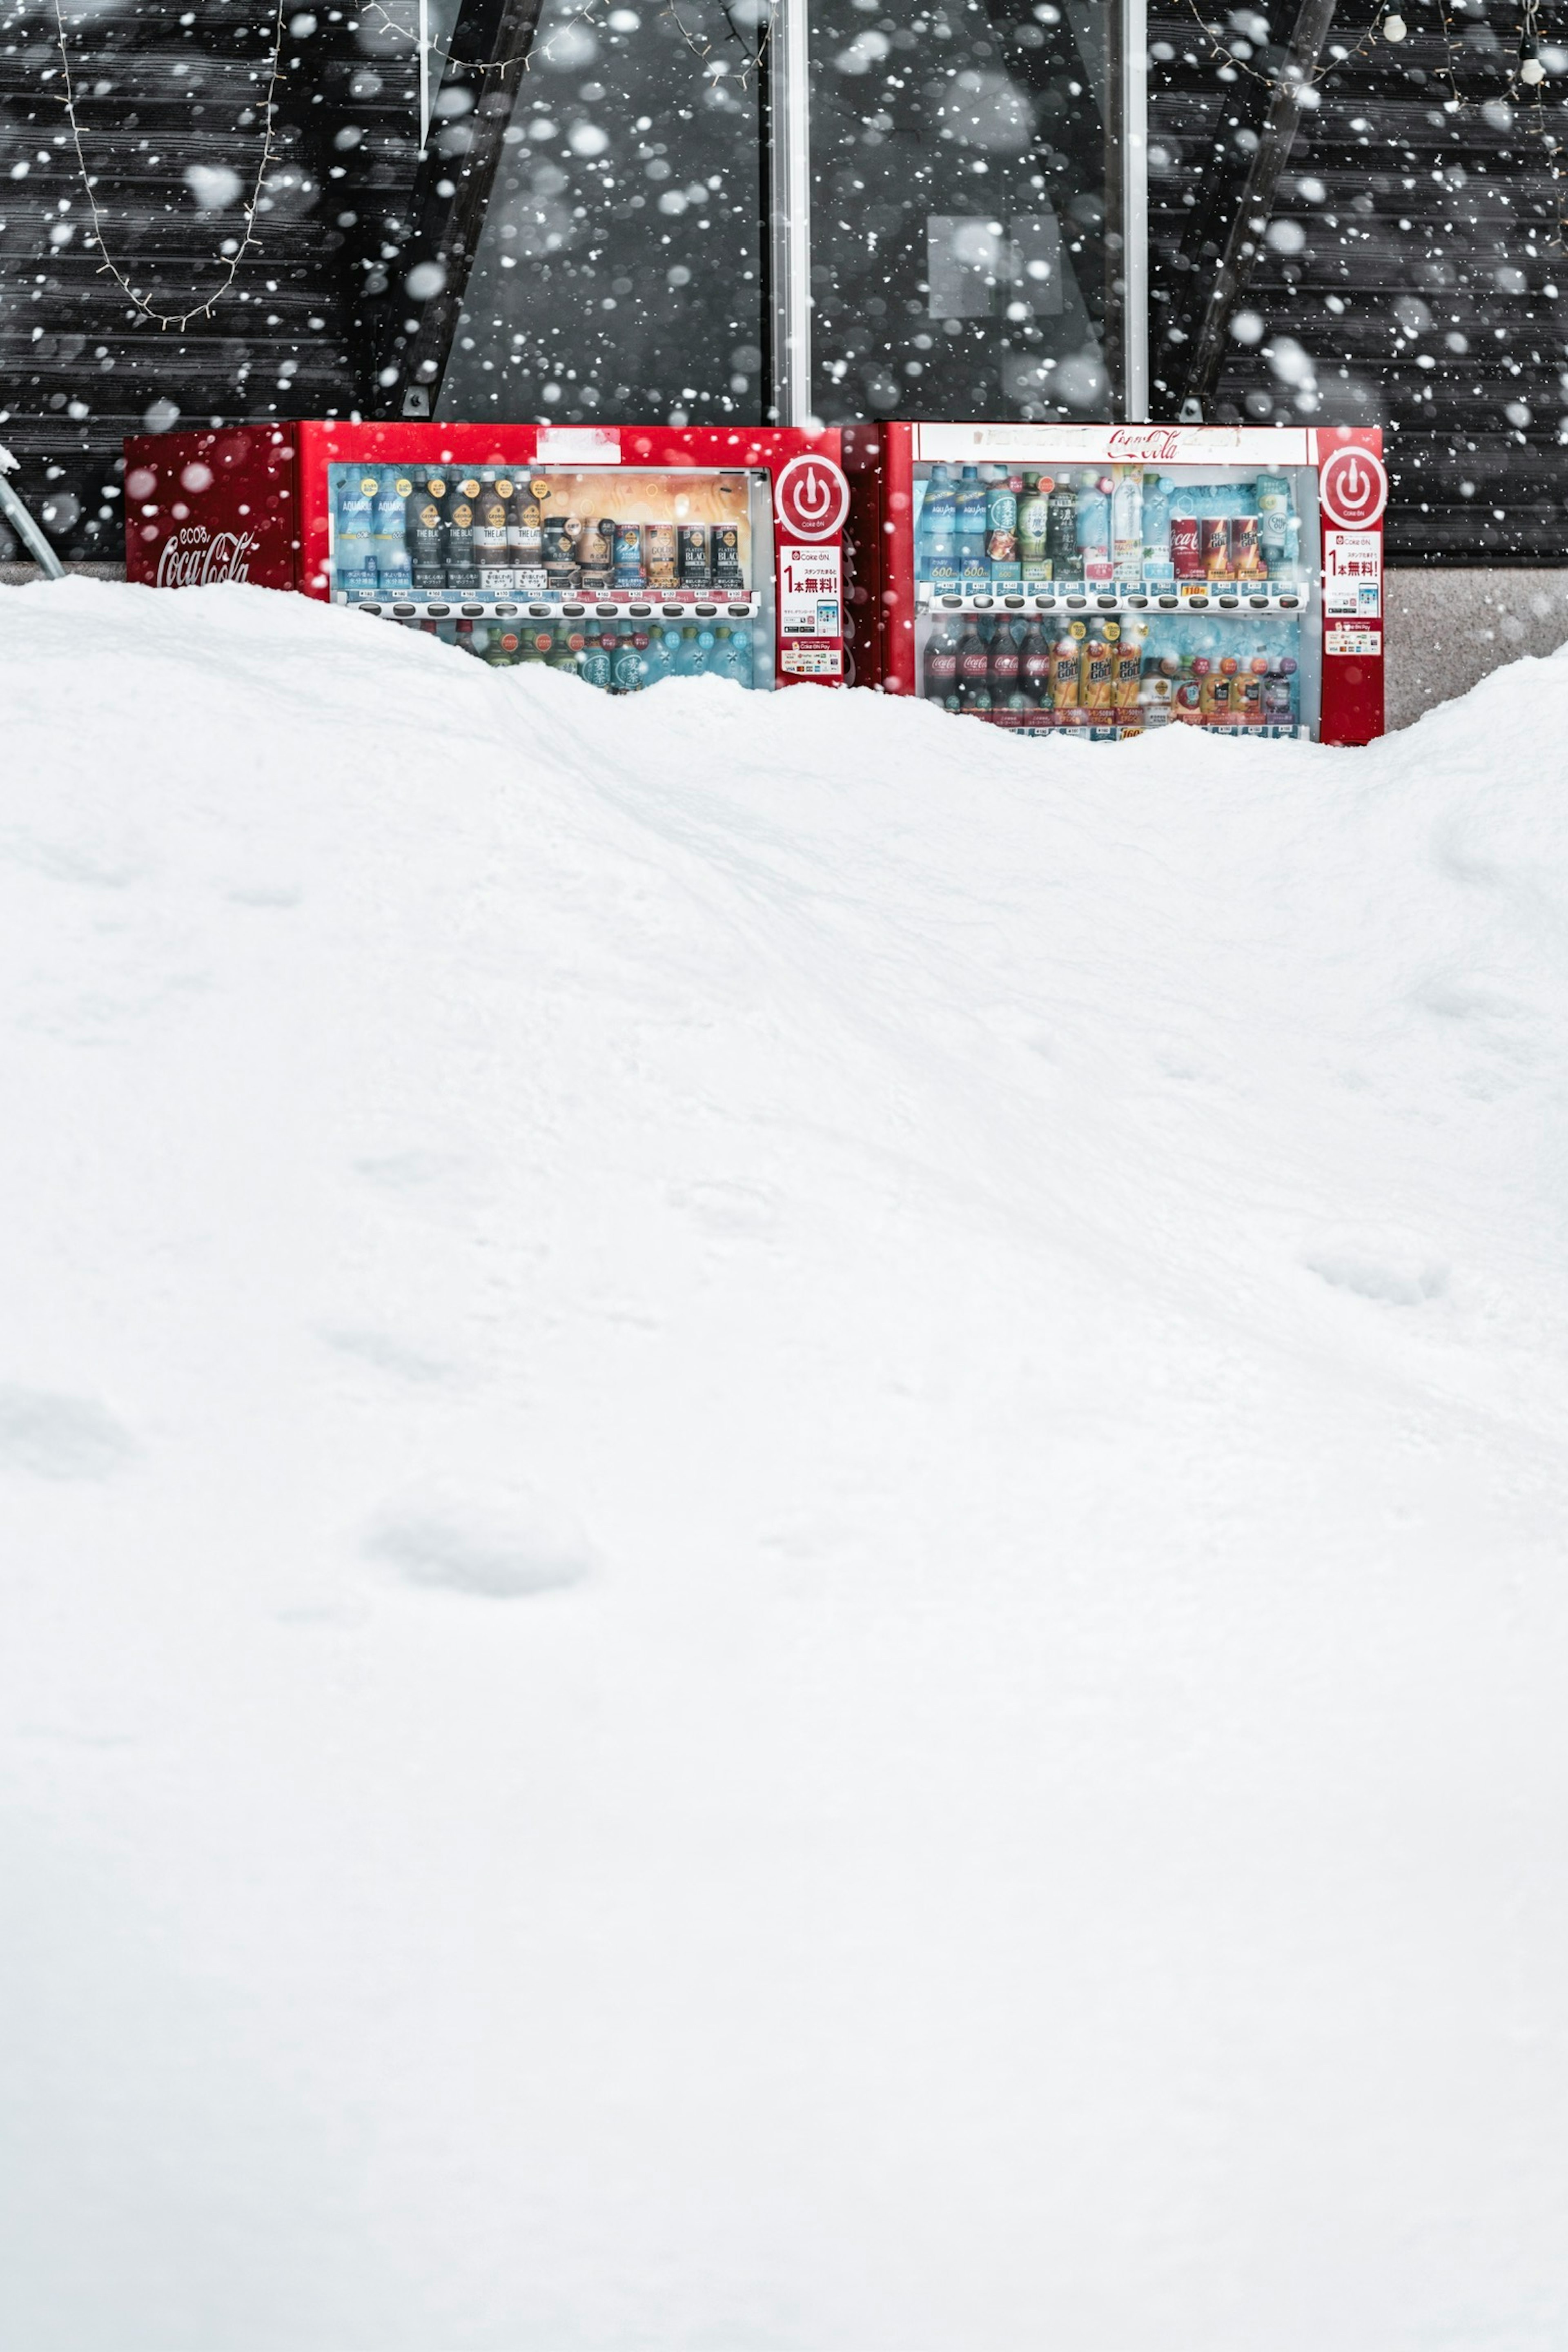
<point x="1133" y="144"/>
<point x="789" y="210"/>
<point x="424" y="74"/>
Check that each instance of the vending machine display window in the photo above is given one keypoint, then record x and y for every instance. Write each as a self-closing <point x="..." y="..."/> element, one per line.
<point x="595" y="568"/>
<point x="1103" y="580"/>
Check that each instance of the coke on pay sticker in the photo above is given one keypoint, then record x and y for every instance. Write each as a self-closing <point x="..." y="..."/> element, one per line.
<point x="811" y="496"/>
<point x="1353" y="486"/>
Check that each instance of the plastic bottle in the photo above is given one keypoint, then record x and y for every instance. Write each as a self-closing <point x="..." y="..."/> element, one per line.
<point x="1127" y="665"/>
<point x="939" y="667"/>
<point x="1126" y="524"/>
<point x="627" y="673"/>
<point x="1094" y="530"/>
<point x="1062" y="530"/>
<point x="973" y="669"/>
<point x="1156" y="526"/>
<point x="1187" y="701"/>
<point x="1067" y="661"/>
<point x="1273" y="506"/>
<point x="724" y="661"/>
<point x="655" y="658"/>
<point x="1034" y="528"/>
<point x="741" y="644"/>
<point x="1004" y="677"/>
<point x="598" y="654"/>
<point x="938" y="528"/>
<point x="689" y="653"/>
<point x="1035" y="665"/>
<point x="353" y="549"/>
<point x="389" y="543"/>
<point x="970" y="503"/>
<point x="1097" y="674"/>
<point x="1002" y="525"/>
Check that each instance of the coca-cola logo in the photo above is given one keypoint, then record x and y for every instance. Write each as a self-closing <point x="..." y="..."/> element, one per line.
<point x="1159" y="447"/>
<point x="193" y="557"/>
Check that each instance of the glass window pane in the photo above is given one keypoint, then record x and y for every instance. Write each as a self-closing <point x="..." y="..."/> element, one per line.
<point x="960" y="251"/>
<point x="618" y="273"/>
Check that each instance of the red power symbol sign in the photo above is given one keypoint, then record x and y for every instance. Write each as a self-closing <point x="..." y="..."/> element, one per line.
<point x="812" y="498"/>
<point x="1352" y="488"/>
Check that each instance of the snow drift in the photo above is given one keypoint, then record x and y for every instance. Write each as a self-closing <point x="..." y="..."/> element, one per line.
<point x="783" y="1510"/>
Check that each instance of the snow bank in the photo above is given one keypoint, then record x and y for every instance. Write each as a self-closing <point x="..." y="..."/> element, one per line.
<point x="783" y="1500"/>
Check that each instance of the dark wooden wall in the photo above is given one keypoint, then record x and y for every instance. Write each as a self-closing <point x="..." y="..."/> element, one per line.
<point x="1403" y="226"/>
<point x="165" y="89"/>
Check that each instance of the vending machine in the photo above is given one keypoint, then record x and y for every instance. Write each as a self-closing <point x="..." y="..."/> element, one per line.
<point x="1105" y="580"/>
<point x="619" y="553"/>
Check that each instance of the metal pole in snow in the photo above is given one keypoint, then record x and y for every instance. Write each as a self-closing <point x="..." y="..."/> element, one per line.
<point x="26" y="528"/>
<point x="789" y="209"/>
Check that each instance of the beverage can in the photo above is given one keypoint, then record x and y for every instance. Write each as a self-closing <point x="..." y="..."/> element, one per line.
<point x="727" y="572"/>
<point x="628" y="555"/>
<point x="1246" y="552"/>
<point x="560" y="547"/>
<point x="661" y="555"/>
<point x="1187" y="544"/>
<point x="1214" y="539"/>
<point x="462" y="571"/>
<point x="696" y="572"/>
<point x="425" y="528"/>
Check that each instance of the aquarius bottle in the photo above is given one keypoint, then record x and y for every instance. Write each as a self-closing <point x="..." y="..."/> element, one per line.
<point x="970" y="504"/>
<point x="938" y="528"/>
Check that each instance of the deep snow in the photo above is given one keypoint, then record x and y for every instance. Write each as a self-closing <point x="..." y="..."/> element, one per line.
<point x="783" y="1500"/>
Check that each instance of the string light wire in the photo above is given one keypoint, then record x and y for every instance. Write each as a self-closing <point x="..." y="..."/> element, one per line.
<point x="108" y="266"/>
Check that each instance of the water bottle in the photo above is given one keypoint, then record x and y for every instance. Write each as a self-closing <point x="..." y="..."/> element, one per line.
<point x="1094" y="530"/>
<point x="389" y="544"/>
<point x="1156" y="526"/>
<point x="725" y="660"/>
<point x="1127" y="525"/>
<point x="655" y="658"/>
<point x="939" y="529"/>
<point x="970" y="501"/>
<point x="353" y="551"/>
<point x="740" y="653"/>
<point x="690" y="652"/>
<point x="628" y="667"/>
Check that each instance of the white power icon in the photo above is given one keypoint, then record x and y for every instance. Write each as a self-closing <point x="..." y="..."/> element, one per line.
<point x="1357" y="486"/>
<point x="814" y="495"/>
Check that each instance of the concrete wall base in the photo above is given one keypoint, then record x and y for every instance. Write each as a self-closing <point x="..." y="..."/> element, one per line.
<point x="1446" y="625"/>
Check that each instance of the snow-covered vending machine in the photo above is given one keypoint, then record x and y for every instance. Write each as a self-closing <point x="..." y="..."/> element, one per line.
<point x="619" y="553"/>
<point x="1106" y="579"/>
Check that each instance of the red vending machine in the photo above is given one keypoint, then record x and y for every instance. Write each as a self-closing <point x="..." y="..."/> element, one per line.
<point x="1105" y="580"/>
<point x="622" y="553"/>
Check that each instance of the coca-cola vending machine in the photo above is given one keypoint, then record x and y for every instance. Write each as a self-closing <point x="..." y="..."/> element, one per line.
<point x="620" y="553"/>
<point x="1105" y="580"/>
